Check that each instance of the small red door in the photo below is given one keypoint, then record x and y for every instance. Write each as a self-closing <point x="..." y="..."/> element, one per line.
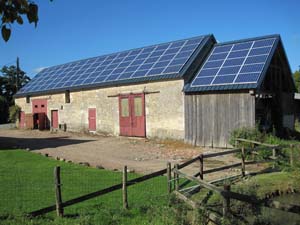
<point x="132" y="115"/>
<point x="54" y="119"/>
<point x="22" y="119"/>
<point x="92" y="119"/>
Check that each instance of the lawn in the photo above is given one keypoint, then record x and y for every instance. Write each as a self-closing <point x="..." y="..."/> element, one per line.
<point x="27" y="184"/>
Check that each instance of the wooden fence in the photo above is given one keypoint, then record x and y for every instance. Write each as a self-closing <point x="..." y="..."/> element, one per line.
<point x="59" y="206"/>
<point x="225" y="192"/>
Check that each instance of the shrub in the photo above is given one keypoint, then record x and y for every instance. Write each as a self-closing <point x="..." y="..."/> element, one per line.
<point x="14" y="112"/>
<point x="3" y="110"/>
<point x="246" y="133"/>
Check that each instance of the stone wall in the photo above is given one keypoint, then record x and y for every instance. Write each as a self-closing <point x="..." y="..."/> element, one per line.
<point x="164" y="110"/>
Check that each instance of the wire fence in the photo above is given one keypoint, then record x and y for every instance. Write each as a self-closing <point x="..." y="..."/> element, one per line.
<point x="31" y="189"/>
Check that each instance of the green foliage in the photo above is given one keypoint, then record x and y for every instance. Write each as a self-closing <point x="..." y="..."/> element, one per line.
<point x="3" y="109"/>
<point x="297" y="125"/>
<point x="246" y="133"/>
<point x="283" y="159"/>
<point x="297" y="80"/>
<point x="11" y="80"/>
<point x="12" y="11"/>
<point x="14" y="112"/>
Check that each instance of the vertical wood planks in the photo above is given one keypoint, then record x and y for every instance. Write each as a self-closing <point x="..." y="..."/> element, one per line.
<point x="210" y="117"/>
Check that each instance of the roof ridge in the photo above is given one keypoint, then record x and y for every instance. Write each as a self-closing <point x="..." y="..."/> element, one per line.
<point x="248" y="39"/>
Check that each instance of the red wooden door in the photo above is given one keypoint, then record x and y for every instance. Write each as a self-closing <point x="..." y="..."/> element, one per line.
<point x="132" y="115"/>
<point x="22" y="119"/>
<point x="54" y="119"/>
<point x="92" y="119"/>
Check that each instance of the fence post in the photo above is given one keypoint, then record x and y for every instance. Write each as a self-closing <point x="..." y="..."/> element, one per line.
<point x="59" y="207"/>
<point x="226" y="201"/>
<point x="243" y="161"/>
<point x="169" y="177"/>
<point x="292" y="155"/>
<point x="176" y="177"/>
<point x="124" y="188"/>
<point x="274" y="153"/>
<point x="201" y="166"/>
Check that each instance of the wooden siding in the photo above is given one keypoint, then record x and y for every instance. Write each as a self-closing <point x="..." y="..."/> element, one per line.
<point x="210" y="118"/>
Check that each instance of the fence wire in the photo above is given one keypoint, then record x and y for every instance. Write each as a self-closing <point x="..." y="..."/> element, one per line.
<point x="31" y="189"/>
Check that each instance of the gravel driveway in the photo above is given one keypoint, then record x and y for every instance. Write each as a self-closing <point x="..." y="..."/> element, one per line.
<point x="140" y="155"/>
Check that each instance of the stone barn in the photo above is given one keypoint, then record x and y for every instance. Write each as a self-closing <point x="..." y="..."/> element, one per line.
<point x="131" y="93"/>
<point x="194" y="89"/>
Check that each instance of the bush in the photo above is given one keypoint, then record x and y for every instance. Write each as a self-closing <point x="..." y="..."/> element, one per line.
<point x="246" y="133"/>
<point x="3" y="110"/>
<point x="14" y="112"/>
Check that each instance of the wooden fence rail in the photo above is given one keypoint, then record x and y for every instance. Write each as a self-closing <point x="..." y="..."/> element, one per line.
<point x="227" y="195"/>
<point x="60" y="204"/>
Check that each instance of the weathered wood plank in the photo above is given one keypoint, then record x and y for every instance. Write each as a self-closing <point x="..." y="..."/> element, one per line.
<point x="210" y="118"/>
<point x="222" y="168"/>
<point x="227" y="152"/>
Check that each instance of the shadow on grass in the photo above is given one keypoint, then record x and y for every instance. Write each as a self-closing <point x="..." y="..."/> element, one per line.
<point x="10" y="143"/>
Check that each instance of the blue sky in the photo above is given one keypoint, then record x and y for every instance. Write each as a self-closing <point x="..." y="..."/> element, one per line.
<point x="69" y="30"/>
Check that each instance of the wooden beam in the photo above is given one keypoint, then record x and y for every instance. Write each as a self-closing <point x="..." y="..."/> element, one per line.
<point x="222" y="168"/>
<point x="227" y="152"/>
<point x="145" y="92"/>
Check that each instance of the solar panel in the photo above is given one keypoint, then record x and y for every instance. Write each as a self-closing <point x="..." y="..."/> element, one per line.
<point x="157" y="60"/>
<point x="234" y="63"/>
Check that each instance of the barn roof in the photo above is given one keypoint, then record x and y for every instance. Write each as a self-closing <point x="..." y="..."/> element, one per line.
<point x="156" y="62"/>
<point x="235" y="65"/>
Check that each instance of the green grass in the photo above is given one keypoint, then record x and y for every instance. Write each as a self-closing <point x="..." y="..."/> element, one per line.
<point x="26" y="184"/>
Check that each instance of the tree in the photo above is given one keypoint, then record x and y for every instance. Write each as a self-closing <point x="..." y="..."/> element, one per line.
<point x="13" y="79"/>
<point x="297" y="79"/>
<point x="14" y="10"/>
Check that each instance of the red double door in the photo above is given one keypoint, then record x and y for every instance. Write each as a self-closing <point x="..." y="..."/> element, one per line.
<point x="39" y="110"/>
<point x="132" y="115"/>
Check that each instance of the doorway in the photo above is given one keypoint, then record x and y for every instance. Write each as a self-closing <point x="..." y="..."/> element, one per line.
<point x="132" y="115"/>
<point x="54" y="119"/>
<point x="92" y="119"/>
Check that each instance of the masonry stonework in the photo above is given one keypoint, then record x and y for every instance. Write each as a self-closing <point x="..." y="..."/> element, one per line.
<point x="164" y="108"/>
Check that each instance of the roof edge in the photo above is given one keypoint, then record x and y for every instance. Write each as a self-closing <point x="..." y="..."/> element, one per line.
<point x="248" y="39"/>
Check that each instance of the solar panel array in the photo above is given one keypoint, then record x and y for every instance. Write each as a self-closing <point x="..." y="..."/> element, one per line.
<point x="236" y="63"/>
<point x="156" y="60"/>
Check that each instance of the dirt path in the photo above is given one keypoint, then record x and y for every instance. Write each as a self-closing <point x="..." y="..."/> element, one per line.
<point x="140" y="155"/>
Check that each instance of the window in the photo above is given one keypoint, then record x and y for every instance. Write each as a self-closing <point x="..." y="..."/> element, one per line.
<point x="43" y="106"/>
<point x="124" y="107"/>
<point x="35" y="106"/>
<point x="27" y="99"/>
<point x="67" y="96"/>
<point x="138" y="106"/>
